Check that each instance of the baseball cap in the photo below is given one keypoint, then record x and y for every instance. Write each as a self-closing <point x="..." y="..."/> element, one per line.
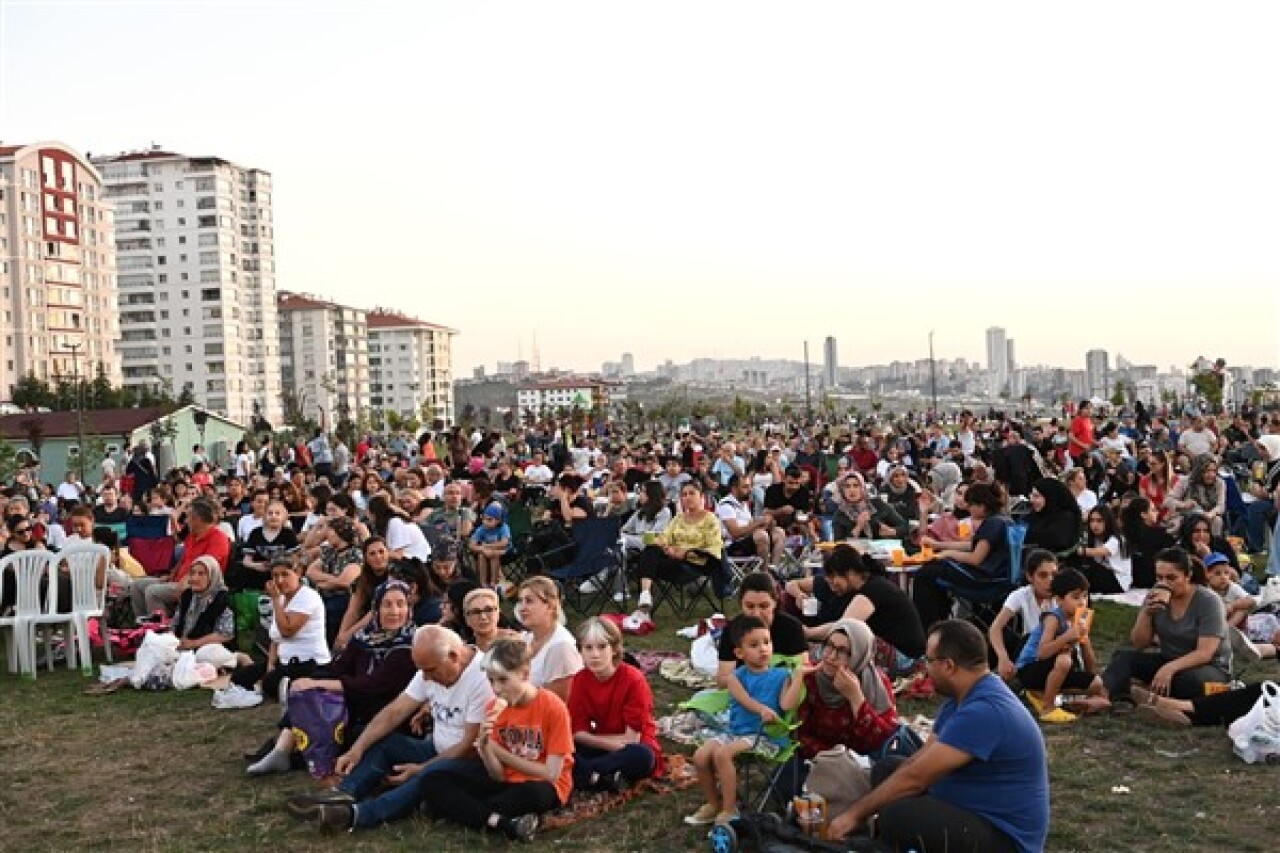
<point x="1215" y="559"/>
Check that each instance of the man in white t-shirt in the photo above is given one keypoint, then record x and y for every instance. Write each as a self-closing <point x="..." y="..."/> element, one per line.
<point x="743" y="534"/>
<point x="452" y="684"/>
<point x="70" y="490"/>
<point x="1198" y="440"/>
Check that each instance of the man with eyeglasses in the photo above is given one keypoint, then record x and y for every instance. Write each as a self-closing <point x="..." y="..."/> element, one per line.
<point x="981" y="783"/>
<point x="452" y="686"/>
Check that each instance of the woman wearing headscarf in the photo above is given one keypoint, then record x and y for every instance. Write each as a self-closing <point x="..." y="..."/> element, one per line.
<point x="901" y="493"/>
<point x="143" y="471"/>
<point x="205" y="621"/>
<point x="848" y="699"/>
<point x="1055" y="521"/>
<point x="372" y="670"/>
<point x="1200" y="492"/>
<point x="858" y="515"/>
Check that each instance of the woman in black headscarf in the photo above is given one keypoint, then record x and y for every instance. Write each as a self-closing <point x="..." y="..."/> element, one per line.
<point x="1055" y="523"/>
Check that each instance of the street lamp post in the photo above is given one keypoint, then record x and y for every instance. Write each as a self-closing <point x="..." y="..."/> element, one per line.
<point x="75" y="369"/>
<point x="933" y="376"/>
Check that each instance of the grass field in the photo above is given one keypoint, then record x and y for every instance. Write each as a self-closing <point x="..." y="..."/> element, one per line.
<point x="146" y="772"/>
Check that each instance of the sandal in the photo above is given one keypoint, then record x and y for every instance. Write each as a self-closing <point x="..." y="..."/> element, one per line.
<point x="102" y="688"/>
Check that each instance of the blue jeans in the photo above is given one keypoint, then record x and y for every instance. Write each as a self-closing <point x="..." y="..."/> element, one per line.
<point x="634" y="761"/>
<point x="1273" y="559"/>
<point x="1256" y="516"/>
<point x="376" y="764"/>
<point x="403" y="800"/>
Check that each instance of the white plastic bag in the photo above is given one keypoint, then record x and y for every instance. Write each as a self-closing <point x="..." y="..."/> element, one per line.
<point x="1256" y="736"/>
<point x="184" y="671"/>
<point x="1270" y="593"/>
<point x="157" y="651"/>
<point x="704" y="656"/>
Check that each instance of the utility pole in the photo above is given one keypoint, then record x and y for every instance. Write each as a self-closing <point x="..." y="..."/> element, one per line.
<point x="808" y="409"/>
<point x="75" y="368"/>
<point x="933" y="375"/>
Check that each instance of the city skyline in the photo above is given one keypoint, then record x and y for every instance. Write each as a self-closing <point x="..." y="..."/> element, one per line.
<point x="865" y="173"/>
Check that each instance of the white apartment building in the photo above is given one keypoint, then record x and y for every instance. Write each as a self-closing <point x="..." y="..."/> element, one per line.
<point x="546" y="396"/>
<point x="195" y="253"/>
<point x="57" y="267"/>
<point x="410" y="366"/>
<point x="324" y="358"/>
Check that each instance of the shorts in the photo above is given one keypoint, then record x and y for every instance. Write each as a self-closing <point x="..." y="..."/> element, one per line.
<point x="755" y="744"/>
<point x="1035" y="674"/>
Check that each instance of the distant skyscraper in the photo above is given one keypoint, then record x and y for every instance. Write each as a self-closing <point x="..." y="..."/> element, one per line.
<point x="998" y="358"/>
<point x="1096" y="374"/>
<point x="628" y="364"/>
<point x="1012" y="364"/>
<point x="829" y="362"/>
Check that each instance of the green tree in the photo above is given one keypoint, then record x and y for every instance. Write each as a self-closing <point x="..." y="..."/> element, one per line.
<point x="8" y="461"/>
<point x="1209" y="385"/>
<point x="31" y="392"/>
<point x="394" y="422"/>
<point x="1118" y="393"/>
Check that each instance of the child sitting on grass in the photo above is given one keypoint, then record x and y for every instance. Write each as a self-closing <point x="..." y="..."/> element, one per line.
<point x="1058" y="653"/>
<point x="1026" y="604"/>
<point x="1239" y="605"/>
<point x="758" y="695"/>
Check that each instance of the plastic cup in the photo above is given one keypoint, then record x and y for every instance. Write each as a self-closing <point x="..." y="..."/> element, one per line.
<point x="898" y="556"/>
<point x="811" y="606"/>
<point x="964" y="528"/>
<point x="649" y="537"/>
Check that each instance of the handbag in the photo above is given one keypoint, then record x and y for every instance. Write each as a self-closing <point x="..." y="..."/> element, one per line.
<point x="903" y="743"/>
<point x="838" y="776"/>
<point x="1255" y="737"/>
<point x="319" y="719"/>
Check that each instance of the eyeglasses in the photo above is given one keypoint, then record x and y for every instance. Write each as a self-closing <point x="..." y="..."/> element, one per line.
<point x="18" y="531"/>
<point x="927" y="659"/>
<point x="830" y="651"/>
<point x="482" y="611"/>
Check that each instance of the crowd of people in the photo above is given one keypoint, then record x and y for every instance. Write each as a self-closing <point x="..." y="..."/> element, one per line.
<point x="384" y="574"/>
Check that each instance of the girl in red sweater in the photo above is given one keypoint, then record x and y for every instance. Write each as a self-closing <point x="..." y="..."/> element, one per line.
<point x="611" y="713"/>
<point x="848" y="700"/>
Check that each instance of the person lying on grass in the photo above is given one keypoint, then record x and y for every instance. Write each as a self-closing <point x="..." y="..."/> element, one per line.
<point x="759" y="695"/>
<point x="1059" y="655"/>
<point x="526" y="745"/>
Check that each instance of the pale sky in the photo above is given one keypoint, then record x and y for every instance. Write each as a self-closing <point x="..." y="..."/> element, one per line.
<point x="691" y="179"/>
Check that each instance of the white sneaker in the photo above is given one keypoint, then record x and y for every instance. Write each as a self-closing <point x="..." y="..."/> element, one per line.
<point x="645" y="599"/>
<point x="1241" y="645"/>
<point x="235" y="696"/>
<point x="619" y="597"/>
<point x="590" y="585"/>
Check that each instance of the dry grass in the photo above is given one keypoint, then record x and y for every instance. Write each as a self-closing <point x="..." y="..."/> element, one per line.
<point x="158" y="772"/>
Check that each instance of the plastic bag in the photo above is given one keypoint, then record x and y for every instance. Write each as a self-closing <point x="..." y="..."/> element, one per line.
<point x="184" y="671"/>
<point x="1256" y="736"/>
<point x="319" y="720"/>
<point x="840" y="776"/>
<point x="157" y="653"/>
<point x="704" y="655"/>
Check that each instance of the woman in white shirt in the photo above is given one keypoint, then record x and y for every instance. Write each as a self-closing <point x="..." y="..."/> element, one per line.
<point x="298" y="647"/>
<point x="404" y="538"/>
<point x="1085" y="497"/>
<point x="555" y="658"/>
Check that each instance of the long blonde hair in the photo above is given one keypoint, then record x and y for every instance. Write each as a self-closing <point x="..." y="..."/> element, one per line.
<point x="547" y="590"/>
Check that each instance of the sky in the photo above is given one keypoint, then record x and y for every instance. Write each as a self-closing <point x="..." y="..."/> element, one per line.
<point x="689" y="179"/>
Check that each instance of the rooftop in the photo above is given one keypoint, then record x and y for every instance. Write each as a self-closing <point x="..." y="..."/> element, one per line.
<point x="107" y="422"/>
<point x="386" y="318"/>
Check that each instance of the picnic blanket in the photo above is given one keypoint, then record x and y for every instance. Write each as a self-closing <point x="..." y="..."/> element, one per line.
<point x="585" y="805"/>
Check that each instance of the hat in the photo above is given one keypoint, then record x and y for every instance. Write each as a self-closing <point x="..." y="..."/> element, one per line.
<point x="1215" y="559"/>
<point x="494" y="510"/>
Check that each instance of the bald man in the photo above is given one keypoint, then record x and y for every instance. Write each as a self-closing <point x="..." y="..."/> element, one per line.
<point x="451" y="682"/>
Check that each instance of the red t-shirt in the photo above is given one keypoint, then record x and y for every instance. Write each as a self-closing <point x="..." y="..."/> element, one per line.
<point x="214" y="543"/>
<point x="534" y="732"/>
<point x="611" y="707"/>
<point x="1081" y="431"/>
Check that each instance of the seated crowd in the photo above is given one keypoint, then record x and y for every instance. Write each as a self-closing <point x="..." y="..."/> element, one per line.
<point x="383" y="577"/>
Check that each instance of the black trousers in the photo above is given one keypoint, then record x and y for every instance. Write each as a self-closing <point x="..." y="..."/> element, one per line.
<point x="1129" y="663"/>
<point x="1223" y="709"/>
<point x="932" y="602"/>
<point x="470" y="800"/>
<point x="929" y="825"/>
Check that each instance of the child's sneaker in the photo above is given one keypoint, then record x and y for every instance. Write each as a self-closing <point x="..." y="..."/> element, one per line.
<point x="1058" y="715"/>
<point x="706" y="814"/>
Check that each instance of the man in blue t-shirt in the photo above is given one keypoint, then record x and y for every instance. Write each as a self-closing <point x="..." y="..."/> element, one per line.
<point x="981" y="783"/>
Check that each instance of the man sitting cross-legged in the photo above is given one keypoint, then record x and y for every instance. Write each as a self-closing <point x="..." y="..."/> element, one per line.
<point x="451" y="682"/>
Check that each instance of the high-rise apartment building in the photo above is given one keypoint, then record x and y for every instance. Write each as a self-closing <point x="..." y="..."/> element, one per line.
<point x="324" y="358"/>
<point x="997" y="360"/>
<point x="830" y="363"/>
<point x="1097" y="374"/>
<point x="57" y="267"/>
<point x="195" y="250"/>
<point x="410" y="366"/>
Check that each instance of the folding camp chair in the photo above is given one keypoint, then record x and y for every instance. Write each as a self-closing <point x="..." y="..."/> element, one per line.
<point x="598" y="558"/>
<point x="683" y="587"/>
<point x="979" y="602"/>
<point x="520" y="523"/>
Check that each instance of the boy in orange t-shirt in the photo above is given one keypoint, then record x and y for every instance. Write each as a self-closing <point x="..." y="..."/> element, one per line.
<point x="527" y="747"/>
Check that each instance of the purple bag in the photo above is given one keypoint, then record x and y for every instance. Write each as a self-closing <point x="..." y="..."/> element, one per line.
<point x="319" y="719"/>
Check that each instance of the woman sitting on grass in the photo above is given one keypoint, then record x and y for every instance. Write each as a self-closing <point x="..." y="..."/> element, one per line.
<point x="373" y="571"/>
<point x="554" y="658"/>
<point x="370" y="672"/>
<point x="848" y="699"/>
<point x="611" y="710"/>
<point x="526" y="744"/>
<point x="1059" y="656"/>
<point x="1180" y="637"/>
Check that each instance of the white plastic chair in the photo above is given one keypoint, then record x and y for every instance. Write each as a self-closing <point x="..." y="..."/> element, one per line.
<point x="28" y="568"/>
<point x="88" y="601"/>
